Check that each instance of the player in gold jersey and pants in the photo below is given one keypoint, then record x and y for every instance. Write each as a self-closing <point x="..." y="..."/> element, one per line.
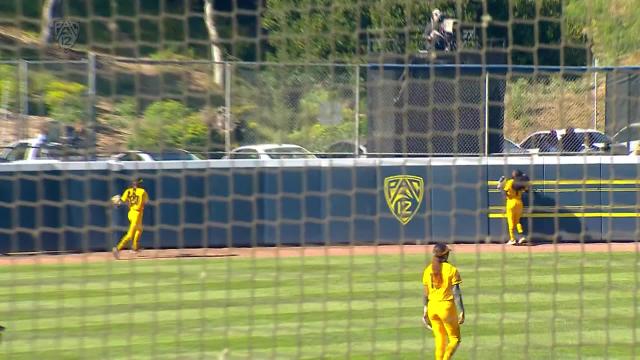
<point x="136" y="197"/>
<point x="442" y="301"/>
<point x="513" y="189"/>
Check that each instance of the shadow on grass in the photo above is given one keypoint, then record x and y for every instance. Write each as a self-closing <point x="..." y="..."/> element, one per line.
<point x="175" y="256"/>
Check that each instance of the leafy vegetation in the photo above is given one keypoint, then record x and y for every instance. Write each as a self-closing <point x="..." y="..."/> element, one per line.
<point x="609" y="24"/>
<point x="8" y="87"/>
<point x="289" y="104"/>
<point x="320" y="30"/>
<point x="66" y="101"/>
<point x="305" y="106"/>
<point x="174" y="53"/>
<point x="123" y="115"/>
<point x="168" y="124"/>
<point x="554" y="102"/>
<point x="163" y="124"/>
<point x="398" y="27"/>
<point x="353" y="29"/>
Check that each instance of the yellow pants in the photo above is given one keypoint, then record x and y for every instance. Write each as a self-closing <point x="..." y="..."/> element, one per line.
<point x="135" y="230"/>
<point x="514" y="212"/>
<point x="444" y="322"/>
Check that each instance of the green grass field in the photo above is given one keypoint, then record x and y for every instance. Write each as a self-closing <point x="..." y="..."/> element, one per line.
<point x="537" y="306"/>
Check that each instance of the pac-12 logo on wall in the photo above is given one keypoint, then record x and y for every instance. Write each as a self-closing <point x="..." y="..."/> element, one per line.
<point x="404" y="195"/>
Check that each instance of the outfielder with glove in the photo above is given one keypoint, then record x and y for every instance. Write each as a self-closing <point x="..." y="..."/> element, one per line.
<point x="513" y="189"/>
<point x="442" y="301"/>
<point x="136" y="198"/>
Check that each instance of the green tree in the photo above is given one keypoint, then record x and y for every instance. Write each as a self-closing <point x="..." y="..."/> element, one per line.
<point x="8" y="87"/>
<point x="319" y="137"/>
<point x="308" y="30"/>
<point x="66" y="101"/>
<point x="39" y="81"/>
<point x="191" y="133"/>
<point x="150" y="132"/>
<point x="403" y="23"/>
<point x="284" y="105"/>
<point x="124" y="114"/>
<point x="609" y="24"/>
<point x="169" y="124"/>
<point x="264" y="102"/>
<point x="304" y="30"/>
<point x="315" y="135"/>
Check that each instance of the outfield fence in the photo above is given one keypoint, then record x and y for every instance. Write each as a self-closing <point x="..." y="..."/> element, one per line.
<point x="65" y="207"/>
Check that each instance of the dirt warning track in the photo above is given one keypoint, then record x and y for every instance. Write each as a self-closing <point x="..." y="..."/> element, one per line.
<point x="273" y="252"/>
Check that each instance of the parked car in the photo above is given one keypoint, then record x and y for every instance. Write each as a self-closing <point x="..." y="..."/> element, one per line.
<point x="540" y="141"/>
<point x="599" y="142"/>
<point x="509" y="147"/>
<point x="628" y="137"/>
<point x="167" y="155"/>
<point x="34" y="151"/>
<point x="549" y="141"/>
<point x="271" y="151"/>
<point x="344" y="149"/>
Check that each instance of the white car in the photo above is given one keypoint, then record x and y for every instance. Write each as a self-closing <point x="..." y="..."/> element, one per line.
<point x="271" y="151"/>
<point x="509" y="147"/>
<point x="628" y="137"/>
<point x="167" y="155"/>
<point x="545" y="141"/>
<point x="31" y="151"/>
<point x="540" y="141"/>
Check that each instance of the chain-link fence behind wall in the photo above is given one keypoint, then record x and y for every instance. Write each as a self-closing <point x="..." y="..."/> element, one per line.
<point x="52" y="98"/>
<point x="316" y="107"/>
<point x="35" y="92"/>
<point x="212" y="108"/>
<point x="539" y="107"/>
<point x="424" y="109"/>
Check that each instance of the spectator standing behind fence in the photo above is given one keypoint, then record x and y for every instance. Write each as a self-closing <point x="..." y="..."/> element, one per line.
<point x="571" y="142"/>
<point x="41" y="140"/>
<point x="78" y="138"/>
<point x="435" y="33"/>
<point x="550" y="143"/>
<point x="588" y="146"/>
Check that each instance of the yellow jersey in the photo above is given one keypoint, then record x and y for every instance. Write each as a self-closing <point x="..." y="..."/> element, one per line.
<point x="512" y="194"/>
<point x="135" y="198"/>
<point x="441" y="288"/>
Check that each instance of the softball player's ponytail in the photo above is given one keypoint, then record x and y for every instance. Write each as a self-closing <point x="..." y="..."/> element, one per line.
<point x="436" y="266"/>
<point x="440" y="255"/>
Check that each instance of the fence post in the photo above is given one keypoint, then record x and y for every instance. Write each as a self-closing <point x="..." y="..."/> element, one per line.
<point x="227" y="108"/>
<point x="357" y="113"/>
<point x="91" y="99"/>
<point x="23" y="75"/>
<point x="6" y="94"/>
<point x="595" y="95"/>
<point x="486" y="113"/>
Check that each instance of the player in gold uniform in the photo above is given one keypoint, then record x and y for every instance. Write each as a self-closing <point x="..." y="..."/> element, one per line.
<point x="136" y="198"/>
<point x="513" y="189"/>
<point x="442" y="301"/>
